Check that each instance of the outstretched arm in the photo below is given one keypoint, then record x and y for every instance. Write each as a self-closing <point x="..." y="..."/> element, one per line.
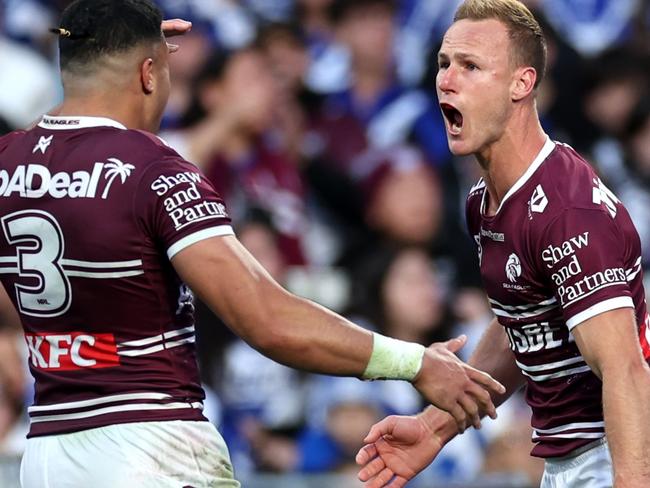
<point x="302" y="334"/>
<point x="610" y="346"/>
<point x="399" y="447"/>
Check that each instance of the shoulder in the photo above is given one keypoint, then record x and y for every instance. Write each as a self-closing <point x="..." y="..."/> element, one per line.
<point x="7" y="139"/>
<point x="145" y="151"/>
<point x="567" y="180"/>
<point x="566" y="184"/>
<point x="475" y="195"/>
<point x="146" y="147"/>
<point x="570" y="198"/>
<point x="473" y="204"/>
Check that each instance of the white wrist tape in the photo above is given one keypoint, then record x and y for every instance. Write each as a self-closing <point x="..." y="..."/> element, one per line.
<point x="393" y="359"/>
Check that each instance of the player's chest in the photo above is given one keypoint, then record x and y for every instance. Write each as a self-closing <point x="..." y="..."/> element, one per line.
<point x="507" y="264"/>
<point x="518" y="294"/>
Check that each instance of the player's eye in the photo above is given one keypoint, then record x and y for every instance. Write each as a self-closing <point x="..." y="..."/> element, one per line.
<point x="443" y="64"/>
<point x="471" y="66"/>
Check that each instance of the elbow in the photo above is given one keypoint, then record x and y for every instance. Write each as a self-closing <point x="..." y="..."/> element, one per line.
<point x="630" y="368"/>
<point x="270" y="338"/>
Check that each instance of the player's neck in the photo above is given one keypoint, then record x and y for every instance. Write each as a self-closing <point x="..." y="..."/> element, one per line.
<point x="505" y="161"/>
<point x="102" y="106"/>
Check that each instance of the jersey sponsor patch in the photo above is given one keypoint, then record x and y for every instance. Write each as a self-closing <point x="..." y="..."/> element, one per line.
<point x="183" y="201"/>
<point x="534" y="337"/>
<point x="551" y="255"/>
<point x="72" y="350"/>
<point x="36" y="181"/>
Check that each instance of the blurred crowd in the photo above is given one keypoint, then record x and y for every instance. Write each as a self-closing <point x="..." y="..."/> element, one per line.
<point x="317" y="121"/>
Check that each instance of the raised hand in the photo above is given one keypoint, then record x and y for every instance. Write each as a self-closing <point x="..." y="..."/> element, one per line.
<point x="454" y="386"/>
<point x="175" y="27"/>
<point x="397" y="449"/>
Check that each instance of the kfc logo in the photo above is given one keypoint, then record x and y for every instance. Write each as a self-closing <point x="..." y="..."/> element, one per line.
<point x="75" y="350"/>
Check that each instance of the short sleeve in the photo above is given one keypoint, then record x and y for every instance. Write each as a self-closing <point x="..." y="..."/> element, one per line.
<point x="178" y="206"/>
<point x="582" y="254"/>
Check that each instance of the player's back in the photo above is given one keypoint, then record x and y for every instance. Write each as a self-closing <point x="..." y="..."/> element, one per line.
<point x="91" y="215"/>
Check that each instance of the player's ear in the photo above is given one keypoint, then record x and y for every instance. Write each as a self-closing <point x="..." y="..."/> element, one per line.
<point x="147" y="77"/>
<point x="523" y="83"/>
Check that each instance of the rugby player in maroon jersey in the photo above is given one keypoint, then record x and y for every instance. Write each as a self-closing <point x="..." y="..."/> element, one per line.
<point x="105" y="231"/>
<point x="561" y="264"/>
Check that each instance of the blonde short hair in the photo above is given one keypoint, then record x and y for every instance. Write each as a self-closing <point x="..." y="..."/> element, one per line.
<point x="526" y="36"/>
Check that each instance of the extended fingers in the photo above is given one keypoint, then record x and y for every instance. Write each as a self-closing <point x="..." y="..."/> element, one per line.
<point x="460" y="417"/>
<point x="365" y="454"/>
<point x="372" y="469"/>
<point x="471" y="409"/>
<point x="484" y="400"/>
<point x="398" y="482"/>
<point x="381" y="480"/>
<point x="485" y="380"/>
<point x="456" y="344"/>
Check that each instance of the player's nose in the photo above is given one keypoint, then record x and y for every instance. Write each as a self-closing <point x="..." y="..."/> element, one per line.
<point x="446" y="79"/>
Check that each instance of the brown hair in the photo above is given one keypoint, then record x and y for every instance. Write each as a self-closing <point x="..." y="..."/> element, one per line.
<point x="526" y="36"/>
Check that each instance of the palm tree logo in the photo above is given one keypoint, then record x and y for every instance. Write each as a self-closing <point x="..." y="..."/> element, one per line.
<point x="116" y="168"/>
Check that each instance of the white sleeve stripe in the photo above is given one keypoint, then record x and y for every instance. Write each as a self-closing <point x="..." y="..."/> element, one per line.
<point x="582" y="297"/>
<point x="604" y="306"/>
<point x="221" y="230"/>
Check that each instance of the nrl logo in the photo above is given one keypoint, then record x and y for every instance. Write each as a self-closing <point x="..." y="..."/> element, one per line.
<point x="513" y="268"/>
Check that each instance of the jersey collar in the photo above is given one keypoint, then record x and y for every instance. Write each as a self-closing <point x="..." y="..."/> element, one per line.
<point x="72" y="122"/>
<point x="546" y="150"/>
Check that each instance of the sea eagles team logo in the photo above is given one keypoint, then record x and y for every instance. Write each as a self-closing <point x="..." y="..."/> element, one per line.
<point x="513" y="268"/>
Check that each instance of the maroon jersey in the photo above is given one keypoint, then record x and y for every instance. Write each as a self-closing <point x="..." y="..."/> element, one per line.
<point x="91" y="215"/>
<point x="559" y="250"/>
<point x="266" y="178"/>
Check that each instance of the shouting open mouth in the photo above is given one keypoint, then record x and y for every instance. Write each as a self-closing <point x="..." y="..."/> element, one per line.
<point x="454" y="118"/>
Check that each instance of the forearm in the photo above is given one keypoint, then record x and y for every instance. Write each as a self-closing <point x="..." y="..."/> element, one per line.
<point x="311" y="337"/>
<point x="292" y="330"/>
<point x="628" y="429"/>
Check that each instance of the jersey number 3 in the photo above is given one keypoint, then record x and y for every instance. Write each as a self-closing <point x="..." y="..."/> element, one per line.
<point x="39" y="243"/>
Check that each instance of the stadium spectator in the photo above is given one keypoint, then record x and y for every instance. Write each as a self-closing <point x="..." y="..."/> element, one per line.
<point x="594" y="25"/>
<point x="385" y="112"/>
<point x="630" y="176"/>
<point x="231" y="136"/>
<point x="196" y="46"/>
<point x="27" y="86"/>
<point x="329" y="68"/>
<point x="231" y="24"/>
